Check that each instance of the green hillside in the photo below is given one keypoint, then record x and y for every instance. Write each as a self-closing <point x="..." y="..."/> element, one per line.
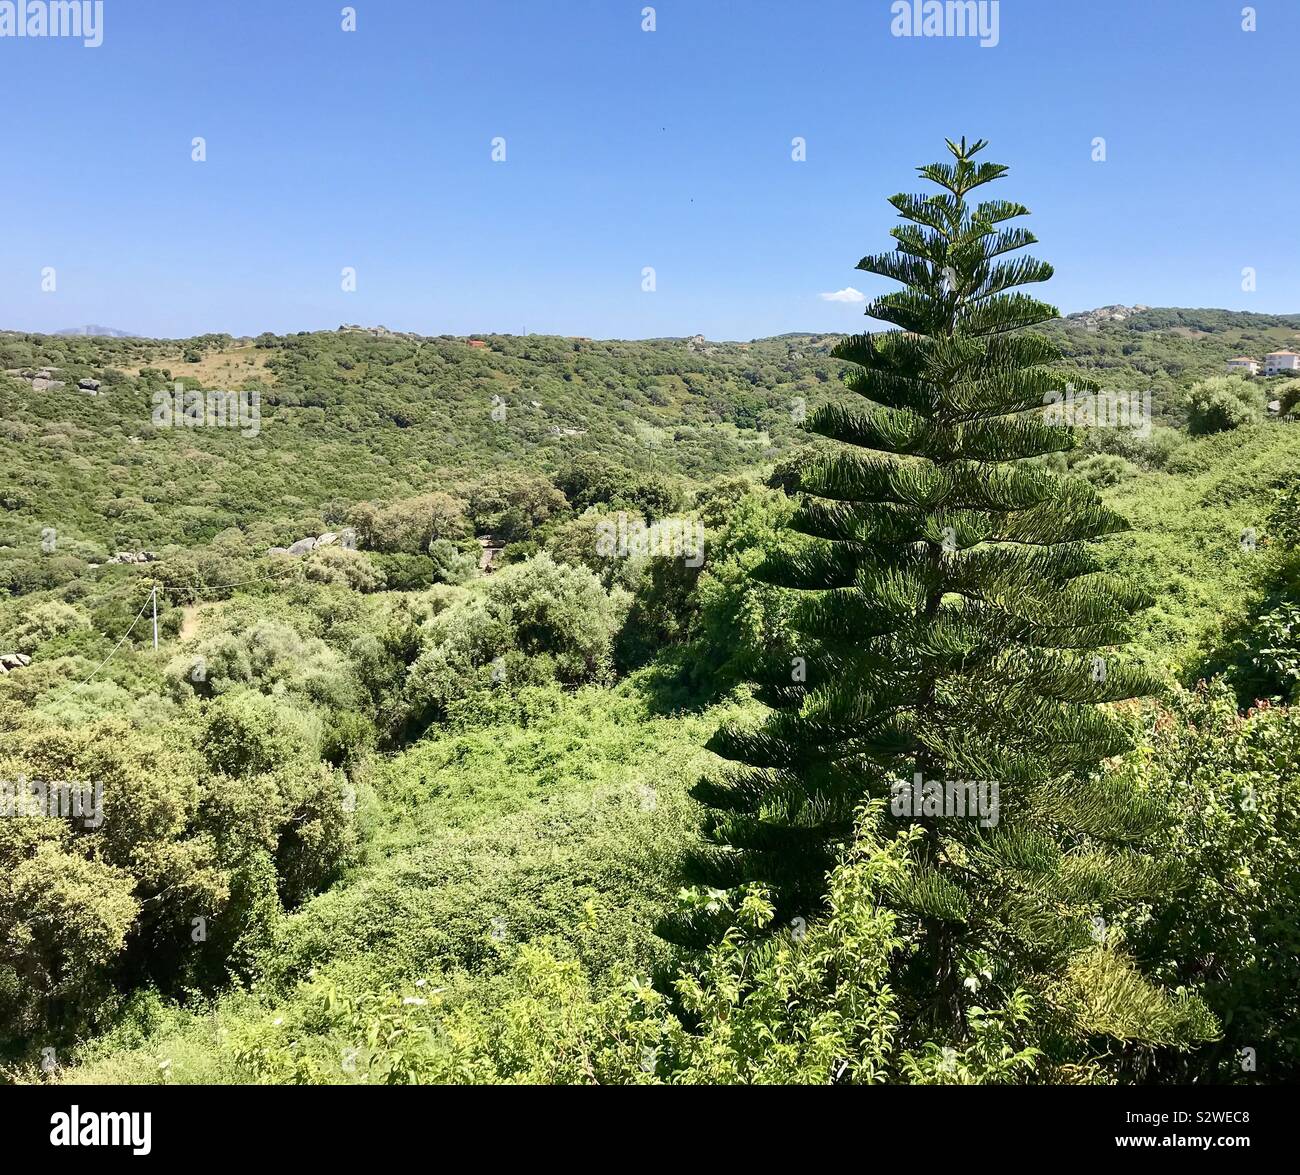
<point x="389" y="811"/>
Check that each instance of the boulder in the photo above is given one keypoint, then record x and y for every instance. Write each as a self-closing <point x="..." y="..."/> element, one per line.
<point x="88" y="385"/>
<point x="43" y="383"/>
<point x="328" y="539"/>
<point x="303" y="546"/>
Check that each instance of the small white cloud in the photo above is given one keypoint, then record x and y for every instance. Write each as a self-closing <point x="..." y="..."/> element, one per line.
<point x="848" y="294"/>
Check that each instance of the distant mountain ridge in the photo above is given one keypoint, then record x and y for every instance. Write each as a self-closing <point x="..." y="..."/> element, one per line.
<point x="1137" y="317"/>
<point x="1206" y="320"/>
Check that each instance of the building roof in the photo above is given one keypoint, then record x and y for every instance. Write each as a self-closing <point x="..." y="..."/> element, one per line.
<point x="1242" y="359"/>
<point x="1277" y="354"/>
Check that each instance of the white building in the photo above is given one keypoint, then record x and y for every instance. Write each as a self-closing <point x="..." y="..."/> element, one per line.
<point x="1243" y="364"/>
<point x="1277" y="362"/>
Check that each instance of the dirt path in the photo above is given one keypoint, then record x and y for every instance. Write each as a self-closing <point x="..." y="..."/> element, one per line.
<point x="189" y="621"/>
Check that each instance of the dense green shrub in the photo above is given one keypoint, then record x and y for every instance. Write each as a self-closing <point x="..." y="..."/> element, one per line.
<point x="513" y="505"/>
<point x="1104" y="469"/>
<point x="449" y="564"/>
<point x="268" y="655"/>
<point x="343" y="568"/>
<point x="409" y="526"/>
<point x="44" y="622"/>
<point x="1223" y="402"/>
<point x="246" y="733"/>
<point x="1231" y="930"/>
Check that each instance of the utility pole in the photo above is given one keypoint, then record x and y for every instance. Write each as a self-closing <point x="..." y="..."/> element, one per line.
<point x="155" y="616"/>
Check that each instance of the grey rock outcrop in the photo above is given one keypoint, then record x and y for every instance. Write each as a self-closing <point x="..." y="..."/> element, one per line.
<point x="1092" y="318"/>
<point x="305" y="546"/>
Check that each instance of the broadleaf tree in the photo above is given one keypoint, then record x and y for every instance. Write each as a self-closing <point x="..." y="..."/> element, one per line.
<point x="953" y="628"/>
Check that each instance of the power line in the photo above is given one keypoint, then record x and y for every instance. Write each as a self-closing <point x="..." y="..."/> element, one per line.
<point x="115" y="648"/>
<point x="153" y="598"/>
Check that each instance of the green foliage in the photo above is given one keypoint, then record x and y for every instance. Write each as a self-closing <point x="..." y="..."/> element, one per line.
<point x="64" y="919"/>
<point x="949" y="630"/>
<point x="535" y="621"/>
<point x="83" y="883"/>
<point x="1104" y="469"/>
<point x="244" y="733"/>
<point x="1223" y="402"/>
<point x="409" y="526"/>
<point x="1267" y="656"/>
<point x="45" y="622"/>
<point x="1154" y="451"/>
<point x="343" y="568"/>
<point x="741" y="620"/>
<point x="426" y="830"/>
<point x="268" y="655"/>
<point x="1231" y="931"/>
<point x="1186" y="548"/>
<point x="450" y="564"/>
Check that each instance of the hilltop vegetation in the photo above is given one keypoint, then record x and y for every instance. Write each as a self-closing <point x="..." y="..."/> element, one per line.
<point x="373" y="814"/>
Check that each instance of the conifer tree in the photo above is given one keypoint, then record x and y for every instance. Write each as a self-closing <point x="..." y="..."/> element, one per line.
<point x="953" y="626"/>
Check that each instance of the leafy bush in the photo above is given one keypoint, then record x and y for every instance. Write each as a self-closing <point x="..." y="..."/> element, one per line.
<point x="82" y="888"/>
<point x="44" y="622"/>
<point x="450" y="564"/>
<point x="245" y="733"/>
<point x="409" y="526"/>
<point x="560" y="611"/>
<point x="269" y="655"/>
<point x="740" y="619"/>
<point x="344" y="568"/>
<point x="1223" y="402"/>
<point x="1231" y="930"/>
<point x="1104" y="469"/>
<point x="513" y="505"/>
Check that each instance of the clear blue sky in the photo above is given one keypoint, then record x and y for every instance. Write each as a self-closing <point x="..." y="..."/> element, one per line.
<point x="625" y="149"/>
